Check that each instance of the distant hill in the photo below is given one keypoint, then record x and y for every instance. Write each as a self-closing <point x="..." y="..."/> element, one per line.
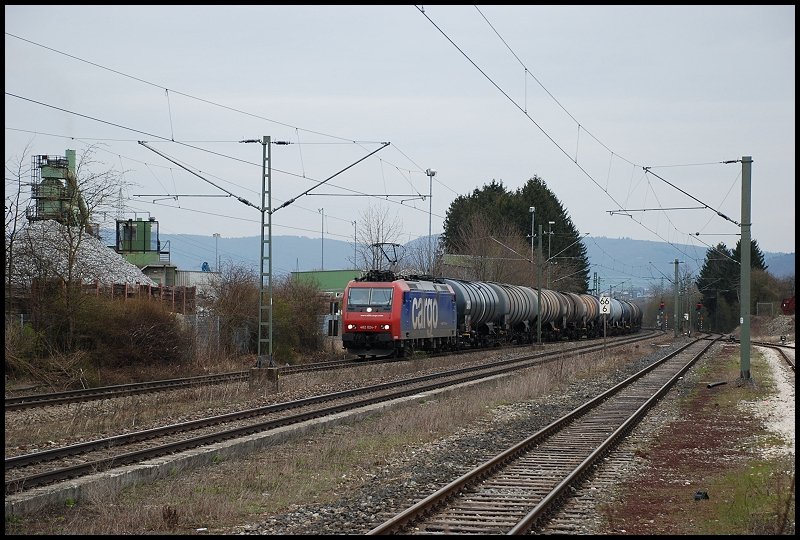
<point x="642" y="261"/>
<point x="289" y="253"/>
<point x="780" y="264"/>
<point x="639" y="262"/>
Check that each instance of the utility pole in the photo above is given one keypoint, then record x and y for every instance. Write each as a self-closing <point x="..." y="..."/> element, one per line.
<point x="266" y="209"/>
<point x="549" y="240"/>
<point x="322" y="211"/>
<point x="355" y="248"/>
<point x="744" y="309"/>
<point x="266" y="240"/>
<point x="532" y="210"/>
<point x="676" y="318"/>
<point x="539" y="291"/>
<point x="216" y="256"/>
<point x="431" y="173"/>
<point x="688" y="305"/>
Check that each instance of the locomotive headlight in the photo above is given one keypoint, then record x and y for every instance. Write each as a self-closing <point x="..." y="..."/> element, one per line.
<point x="385" y="326"/>
<point x="351" y="327"/>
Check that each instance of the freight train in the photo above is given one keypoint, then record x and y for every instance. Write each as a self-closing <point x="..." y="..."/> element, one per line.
<point x="388" y="315"/>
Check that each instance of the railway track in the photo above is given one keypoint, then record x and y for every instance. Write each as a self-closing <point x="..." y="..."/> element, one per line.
<point x="110" y="392"/>
<point x="520" y="489"/>
<point x="581" y="506"/>
<point x="786" y="352"/>
<point x="24" y="472"/>
<point x="120" y="390"/>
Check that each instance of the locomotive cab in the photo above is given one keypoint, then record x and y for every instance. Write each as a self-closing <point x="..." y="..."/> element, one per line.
<point x="395" y="318"/>
<point x="367" y="319"/>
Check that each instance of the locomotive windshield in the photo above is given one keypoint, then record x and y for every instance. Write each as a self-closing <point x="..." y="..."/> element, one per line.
<point x="376" y="298"/>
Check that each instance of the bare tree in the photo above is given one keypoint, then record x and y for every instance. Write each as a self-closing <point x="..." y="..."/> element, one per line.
<point x="17" y="168"/>
<point x="235" y="300"/>
<point x="491" y="253"/>
<point x="420" y="258"/>
<point x="52" y="254"/>
<point x="378" y="234"/>
<point x="92" y="194"/>
<point x="565" y="274"/>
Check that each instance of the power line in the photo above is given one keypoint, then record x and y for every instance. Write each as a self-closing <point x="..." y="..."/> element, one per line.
<point x="528" y="72"/>
<point x="177" y="92"/>
<point x="240" y="199"/>
<point x="574" y="160"/>
<point x="290" y="201"/>
<point x="521" y="109"/>
<point x="197" y="148"/>
<point x="647" y="169"/>
<point x="167" y="90"/>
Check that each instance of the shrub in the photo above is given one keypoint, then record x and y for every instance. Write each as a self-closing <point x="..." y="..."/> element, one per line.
<point x="131" y="333"/>
<point x="298" y="309"/>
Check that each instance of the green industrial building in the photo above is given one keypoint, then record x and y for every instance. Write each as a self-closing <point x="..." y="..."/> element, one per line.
<point x="137" y="240"/>
<point x="332" y="284"/>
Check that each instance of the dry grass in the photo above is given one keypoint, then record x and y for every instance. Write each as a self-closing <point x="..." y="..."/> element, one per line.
<point x="92" y="418"/>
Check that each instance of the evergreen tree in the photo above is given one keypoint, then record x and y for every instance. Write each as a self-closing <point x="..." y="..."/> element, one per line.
<point x="718" y="282"/>
<point x="491" y="202"/>
<point x="756" y="256"/>
<point x="504" y="213"/>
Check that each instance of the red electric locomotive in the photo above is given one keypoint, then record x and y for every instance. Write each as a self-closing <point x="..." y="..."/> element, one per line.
<point x="787" y="306"/>
<point x="387" y="316"/>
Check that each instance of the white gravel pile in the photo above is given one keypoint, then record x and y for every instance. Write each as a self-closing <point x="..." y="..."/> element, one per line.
<point x="43" y="249"/>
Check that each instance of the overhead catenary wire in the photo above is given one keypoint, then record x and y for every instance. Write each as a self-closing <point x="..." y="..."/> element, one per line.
<point x="529" y="72"/>
<point x="169" y="110"/>
<point x="171" y="138"/>
<point x="167" y="90"/>
<point x="544" y="132"/>
<point x="720" y="214"/>
<point x="149" y="166"/>
<point x="524" y="111"/>
<point x="144" y="81"/>
<point x="436" y="179"/>
<point x="191" y="146"/>
<point x="126" y="127"/>
<point x="293" y="199"/>
<point x="240" y="199"/>
<point x="194" y="147"/>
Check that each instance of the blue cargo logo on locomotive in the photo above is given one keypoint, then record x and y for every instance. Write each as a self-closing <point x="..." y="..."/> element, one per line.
<point x="424" y="313"/>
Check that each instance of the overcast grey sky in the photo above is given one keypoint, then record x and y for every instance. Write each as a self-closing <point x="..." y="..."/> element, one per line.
<point x="584" y="97"/>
